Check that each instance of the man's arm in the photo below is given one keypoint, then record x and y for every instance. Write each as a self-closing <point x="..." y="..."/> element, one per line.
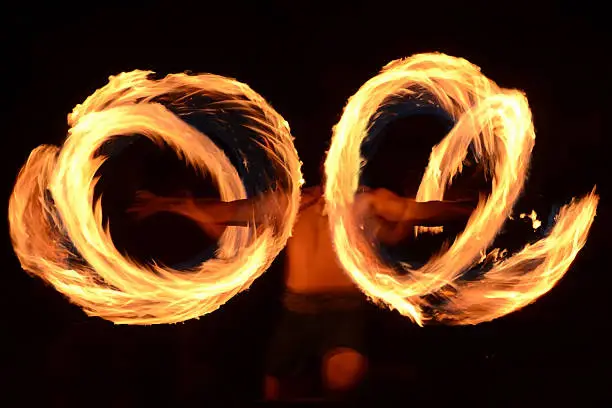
<point x="392" y="233"/>
<point x="395" y="216"/>
<point x="212" y="215"/>
<point x="241" y="212"/>
<point x="394" y="208"/>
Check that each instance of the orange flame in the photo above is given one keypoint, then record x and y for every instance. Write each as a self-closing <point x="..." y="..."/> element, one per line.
<point x="111" y="286"/>
<point x="498" y="123"/>
<point x="519" y="280"/>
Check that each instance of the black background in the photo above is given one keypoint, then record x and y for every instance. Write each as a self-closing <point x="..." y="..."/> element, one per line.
<point x="306" y="60"/>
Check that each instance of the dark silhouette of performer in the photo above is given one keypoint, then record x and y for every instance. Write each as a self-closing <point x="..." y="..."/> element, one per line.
<point x="322" y="323"/>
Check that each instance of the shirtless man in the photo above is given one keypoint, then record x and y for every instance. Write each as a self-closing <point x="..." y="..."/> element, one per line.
<point x="322" y="324"/>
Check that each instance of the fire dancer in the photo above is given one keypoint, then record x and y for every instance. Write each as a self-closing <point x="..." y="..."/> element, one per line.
<point x="322" y="325"/>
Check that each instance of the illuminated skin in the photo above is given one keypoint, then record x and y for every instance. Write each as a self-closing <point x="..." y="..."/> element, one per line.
<point x="311" y="265"/>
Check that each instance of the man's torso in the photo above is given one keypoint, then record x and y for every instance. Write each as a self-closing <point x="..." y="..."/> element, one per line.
<point x="312" y="266"/>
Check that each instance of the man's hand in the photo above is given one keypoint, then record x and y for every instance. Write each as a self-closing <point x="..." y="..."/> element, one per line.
<point x="147" y="204"/>
<point x="202" y="213"/>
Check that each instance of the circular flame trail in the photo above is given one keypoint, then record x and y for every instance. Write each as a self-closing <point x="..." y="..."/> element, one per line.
<point x="498" y="123"/>
<point x="109" y="285"/>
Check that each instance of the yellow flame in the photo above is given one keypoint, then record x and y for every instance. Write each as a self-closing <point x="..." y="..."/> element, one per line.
<point x="519" y="280"/>
<point x="499" y="125"/>
<point x="496" y="121"/>
<point x="111" y="286"/>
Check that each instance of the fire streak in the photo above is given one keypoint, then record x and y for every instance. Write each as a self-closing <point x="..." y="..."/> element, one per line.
<point x="111" y="286"/>
<point x="498" y="123"/>
<point x="52" y="202"/>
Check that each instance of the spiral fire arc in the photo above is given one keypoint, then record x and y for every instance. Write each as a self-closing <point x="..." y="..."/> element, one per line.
<point x="111" y="286"/>
<point x="53" y="215"/>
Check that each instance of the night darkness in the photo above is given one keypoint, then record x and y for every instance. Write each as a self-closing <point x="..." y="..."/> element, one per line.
<point x="306" y="61"/>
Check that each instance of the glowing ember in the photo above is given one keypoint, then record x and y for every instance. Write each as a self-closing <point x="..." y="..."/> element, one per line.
<point x="498" y="123"/>
<point x="534" y="219"/>
<point x="111" y="286"/>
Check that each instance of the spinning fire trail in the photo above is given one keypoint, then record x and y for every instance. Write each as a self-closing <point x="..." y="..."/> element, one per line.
<point x="497" y="122"/>
<point x="114" y="287"/>
<point x="53" y="199"/>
